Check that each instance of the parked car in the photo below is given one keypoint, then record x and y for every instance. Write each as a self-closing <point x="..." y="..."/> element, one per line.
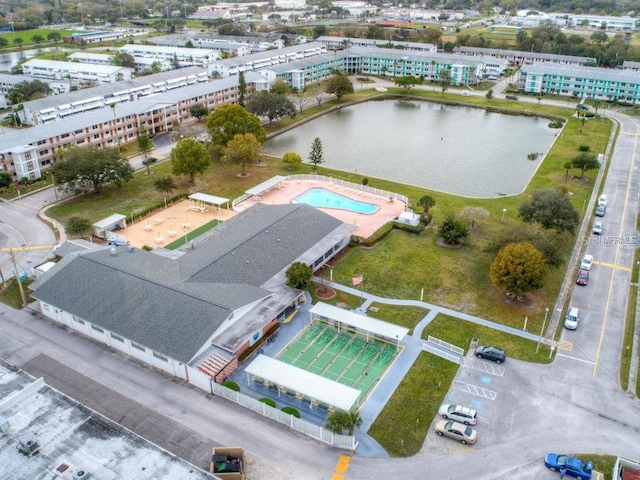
<point x="573" y="467"/>
<point x="602" y="200"/>
<point x="491" y="353"/>
<point x="572" y="319"/>
<point x="511" y="97"/>
<point x="457" y="431"/>
<point x="587" y="262"/>
<point x="601" y="210"/>
<point x="583" y="277"/>
<point x="149" y="161"/>
<point x="597" y="228"/>
<point x="460" y="414"/>
<point x="582" y="106"/>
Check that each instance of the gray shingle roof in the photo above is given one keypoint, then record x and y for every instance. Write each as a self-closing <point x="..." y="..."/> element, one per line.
<point x="595" y="73"/>
<point x="516" y="53"/>
<point x="174" y="306"/>
<point x="255" y="245"/>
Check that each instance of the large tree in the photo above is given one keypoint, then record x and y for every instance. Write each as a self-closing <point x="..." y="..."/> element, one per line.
<point x="78" y="226"/>
<point x="242" y="89"/>
<point x="585" y="161"/>
<point x="518" y="268"/>
<point x="299" y="275"/>
<point x="243" y="149"/>
<point x="227" y="121"/>
<point x="338" y="85"/>
<point x="444" y="78"/>
<point x="408" y="82"/>
<point x="551" y="208"/>
<point x="123" y="59"/>
<point x="189" y="157"/>
<point x="315" y="156"/>
<point x="144" y="144"/>
<point x="199" y="111"/>
<point x="271" y="105"/>
<point x="89" y="168"/>
<point x="25" y="91"/>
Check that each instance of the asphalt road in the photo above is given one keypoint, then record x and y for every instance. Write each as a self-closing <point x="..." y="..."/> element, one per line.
<point x="572" y="405"/>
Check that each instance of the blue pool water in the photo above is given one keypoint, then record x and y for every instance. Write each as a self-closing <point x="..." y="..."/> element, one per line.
<point x="319" y="197"/>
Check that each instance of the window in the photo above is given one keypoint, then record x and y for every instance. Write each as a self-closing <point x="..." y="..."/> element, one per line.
<point x="29" y="165"/>
<point x="42" y="142"/>
<point x="43" y="152"/>
<point x="45" y="162"/>
<point x="97" y="328"/>
<point x="78" y="320"/>
<point x="27" y="156"/>
<point x="96" y="136"/>
<point x="138" y="346"/>
<point x="80" y="141"/>
<point x="117" y="337"/>
<point x="160" y="356"/>
<point x="95" y="127"/>
<point x="64" y="135"/>
<point x="78" y="131"/>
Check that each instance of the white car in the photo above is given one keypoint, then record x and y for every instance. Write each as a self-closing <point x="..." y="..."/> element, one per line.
<point x="460" y="414"/>
<point x="598" y="228"/>
<point x="586" y="262"/>
<point x="602" y="201"/>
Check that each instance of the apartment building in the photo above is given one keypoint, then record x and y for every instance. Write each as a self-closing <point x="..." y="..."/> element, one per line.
<point x="7" y="82"/>
<point x="80" y="72"/>
<point x="91" y="58"/>
<point x="177" y="57"/>
<point x="338" y="43"/>
<point x="525" y="58"/>
<point x="29" y="152"/>
<point x="50" y="109"/>
<point x="582" y="82"/>
<point x="258" y="61"/>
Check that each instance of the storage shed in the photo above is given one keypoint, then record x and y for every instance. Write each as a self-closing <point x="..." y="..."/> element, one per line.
<point x="109" y="224"/>
<point x="409" y="218"/>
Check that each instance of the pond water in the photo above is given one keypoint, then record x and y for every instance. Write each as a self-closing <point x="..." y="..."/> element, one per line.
<point x="459" y="150"/>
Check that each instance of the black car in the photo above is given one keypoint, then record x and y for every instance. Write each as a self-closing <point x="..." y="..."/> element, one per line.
<point x="491" y="353"/>
<point x="511" y="97"/>
<point x="149" y="160"/>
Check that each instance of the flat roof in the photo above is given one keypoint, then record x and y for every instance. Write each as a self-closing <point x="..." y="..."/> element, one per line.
<point x="110" y="220"/>
<point x="212" y="199"/>
<point x="361" y="322"/>
<point x="305" y="383"/>
<point x="72" y="434"/>
<point x="272" y="182"/>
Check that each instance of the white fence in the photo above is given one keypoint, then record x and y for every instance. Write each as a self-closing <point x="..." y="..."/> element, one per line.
<point x="448" y="346"/>
<point x="322" y="178"/>
<point x="452" y="357"/>
<point x="316" y="431"/>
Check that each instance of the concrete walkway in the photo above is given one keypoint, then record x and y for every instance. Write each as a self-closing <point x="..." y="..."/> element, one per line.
<point x="412" y="347"/>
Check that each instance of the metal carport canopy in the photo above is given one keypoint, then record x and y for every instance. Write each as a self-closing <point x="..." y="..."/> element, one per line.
<point x="272" y="182"/>
<point x="305" y="383"/>
<point x="211" y="199"/>
<point x="360" y="322"/>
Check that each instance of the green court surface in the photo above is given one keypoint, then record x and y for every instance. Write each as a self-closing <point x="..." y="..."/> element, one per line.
<point x="344" y="356"/>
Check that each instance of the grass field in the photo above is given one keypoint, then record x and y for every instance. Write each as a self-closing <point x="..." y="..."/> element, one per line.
<point x="27" y="36"/>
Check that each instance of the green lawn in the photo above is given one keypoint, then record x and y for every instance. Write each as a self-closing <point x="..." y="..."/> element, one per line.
<point x="404" y="423"/>
<point x="26" y="36"/>
<point x="460" y="333"/>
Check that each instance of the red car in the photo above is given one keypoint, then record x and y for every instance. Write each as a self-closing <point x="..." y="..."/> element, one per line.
<point x="583" y="277"/>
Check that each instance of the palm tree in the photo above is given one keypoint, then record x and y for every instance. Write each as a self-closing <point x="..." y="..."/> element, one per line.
<point x="426" y="202"/>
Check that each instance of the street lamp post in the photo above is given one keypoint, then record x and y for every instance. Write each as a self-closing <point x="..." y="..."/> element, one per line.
<point x="504" y="210"/>
<point x="544" y="322"/>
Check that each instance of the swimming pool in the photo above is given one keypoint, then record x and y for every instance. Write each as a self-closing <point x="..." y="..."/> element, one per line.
<point x="319" y="197"/>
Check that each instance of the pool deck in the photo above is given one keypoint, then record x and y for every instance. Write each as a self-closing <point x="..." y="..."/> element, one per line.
<point x="366" y="225"/>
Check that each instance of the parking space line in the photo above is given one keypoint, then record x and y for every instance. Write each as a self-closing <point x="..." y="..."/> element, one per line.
<point x="611" y="265"/>
<point x="474" y="390"/>
<point x="438" y="446"/>
<point x="485" y="367"/>
<point x="574" y="358"/>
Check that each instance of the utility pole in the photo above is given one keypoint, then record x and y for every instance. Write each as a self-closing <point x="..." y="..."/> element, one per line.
<point x="15" y="271"/>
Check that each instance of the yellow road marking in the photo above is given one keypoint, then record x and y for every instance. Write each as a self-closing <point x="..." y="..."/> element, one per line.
<point x="337" y="476"/>
<point x="564" y="345"/>
<point x="615" y="260"/>
<point x="611" y="265"/>
<point x="343" y="463"/>
<point x="32" y="247"/>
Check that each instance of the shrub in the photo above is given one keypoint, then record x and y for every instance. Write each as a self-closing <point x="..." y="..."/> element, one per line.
<point x="232" y="385"/>
<point x="584" y="148"/>
<point x="291" y="411"/>
<point x="555" y="124"/>
<point x="365" y="181"/>
<point x="268" y="401"/>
